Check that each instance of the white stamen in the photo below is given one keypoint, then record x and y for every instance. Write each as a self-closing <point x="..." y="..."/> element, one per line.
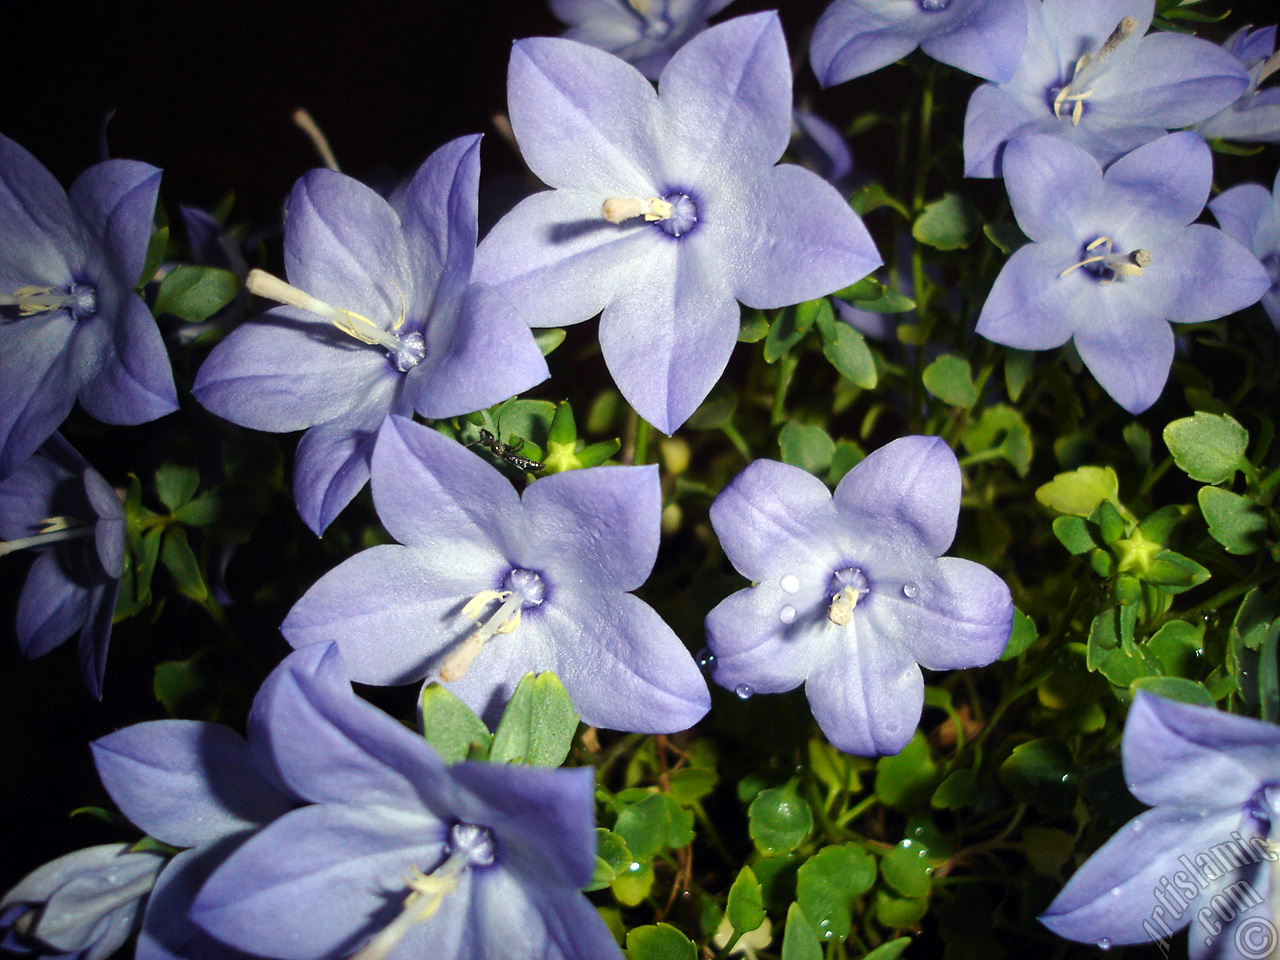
<point x="434" y="887"/>
<point x="33" y="300"/>
<point x="52" y="530"/>
<point x="505" y="620"/>
<point x="271" y="287"/>
<point x="1086" y="68"/>
<point x="1119" y="264"/>
<point x="841" y="610"/>
<point x="318" y="140"/>
<point x="618" y="209"/>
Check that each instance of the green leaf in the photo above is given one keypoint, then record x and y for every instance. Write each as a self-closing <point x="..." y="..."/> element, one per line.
<point x="789" y="328"/>
<point x="203" y="511"/>
<point x="1236" y="522"/>
<point x="196" y="293"/>
<point x="1175" y="688"/>
<point x="538" y="725"/>
<point x="1206" y="446"/>
<point x="745" y="909"/>
<point x="1001" y="428"/>
<point x="1017" y="371"/>
<point x="633" y="884"/>
<point x="181" y="562"/>
<point x="1041" y="773"/>
<point x="800" y="940"/>
<point x="905" y="869"/>
<point x="176" y="484"/>
<point x="157" y="249"/>
<point x="1007" y="238"/>
<point x="653" y="822"/>
<point x="1047" y="849"/>
<point x="906" y="781"/>
<point x="548" y="338"/>
<point x="754" y="328"/>
<point x="612" y="859"/>
<point x="1076" y="534"/>
<point x="1023" y="635"/>
<point x="692" y="784"/>
<point x="659" y="941"/>
<point x="1138" y="439"/>
<point x="1178" y="646"/>
<point x="846" y="349"/>
<point x="779" y="820"/>
<point x="957" y="791"/>
<point x="948" y="224"/>
<point x="1108" y="630"/>
<point x="185" y="690"/>
<point x="451" y="727"/>
<point x="847" y="456"/>
<point x="1173" y="573"/>
<point x="889" y="951"/>
<point x="899" y="912"/>
<point x="139" y="567"/>
<point x="827" y="885"/>
<point x="809" y="448"/>
<point x="1080" y="491"/>
<point x="950" y="379"/>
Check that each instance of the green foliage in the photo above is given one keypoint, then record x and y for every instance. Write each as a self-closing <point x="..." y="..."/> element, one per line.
<point x="538" y="725"/>
<point x="195" y="293"/>
<point x="451" y="727"/>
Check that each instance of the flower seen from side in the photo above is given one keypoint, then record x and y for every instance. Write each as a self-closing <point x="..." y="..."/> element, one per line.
<point x="379" y="317"/>
<point x="852" y="595"/>
<point x="645" y="33"/>
<point x="667" y="208"/>
<point x="71" y="324"/>
<point x="1114" y="258"/>
<point x="1250" y="213"/>
<point x="1255" y="116"/>
<point x="486" y="585"/>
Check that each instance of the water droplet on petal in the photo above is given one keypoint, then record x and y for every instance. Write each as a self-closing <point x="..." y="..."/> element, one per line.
<point x="1104" y="944"/>
<point x="1135" y="826"/>
<point x="790" y="583"/>
<point x="1115" y="891"/>
<point x="910" y="589"/>
<point x="706" y="659"/>
<point x="787" y="614"/>
<point x="743" y="690"/>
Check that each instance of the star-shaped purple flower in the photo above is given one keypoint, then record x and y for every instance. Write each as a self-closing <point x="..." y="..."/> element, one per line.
<point x="857" y="37"/>
<point x="1114" y="256"/>
<point x="852" y="594"/>
<point x="1251" y="214"/>
<point x="1255" y="116"/>
<point x="666" y="209"/>
<point x="1212" y="780"/>
<point x="396" y="855"/>
<point x="486" y="586"/>
<point x="71" y="324"/>
<point x="1091" y="74"/>
<point x="58" y="505"/>
<point x="645" y="33"/>
<point x="381" y="318"/>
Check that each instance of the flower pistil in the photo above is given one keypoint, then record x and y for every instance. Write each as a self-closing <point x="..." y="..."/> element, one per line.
<point x="51" y="530"/>
<point x="1111" y="266"/>
<point x="1086" y="69"/>
<point x="80" y="300"/>
<point x="524" y="588"/>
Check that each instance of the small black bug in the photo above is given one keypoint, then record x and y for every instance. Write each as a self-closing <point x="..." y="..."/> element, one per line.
<point x="507" y="453"/>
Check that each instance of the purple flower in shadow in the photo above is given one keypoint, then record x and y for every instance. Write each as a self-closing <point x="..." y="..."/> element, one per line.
<point x="852" y="594"/>
<point x="1115" y="257"/>
<point x="667" y="207"/>
<point x="645" y="33"/>
<point x="59" y="506"/>
<point x="1255" y="117"/>
<point x="71" y="324"/>
<point x="381" y="317"/>
<point x="1250" y="213"/>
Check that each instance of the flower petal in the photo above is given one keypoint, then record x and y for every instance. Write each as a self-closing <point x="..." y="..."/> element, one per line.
<point x="1168" y="80"/>
<point x="127" y="376"/>
<point x="1167" y="178"/>
<point x="117" y="199"/>
<point x="1028" y="308"/>
<point x="51" y="607"/>
<point x="1240" y="209"/>
<point x="1206" y="275"/>
<point x="37" y="385"/>
<point x="552" y="923"/>
<point x="852" y="40"/>
<point x="43" y="240"/>
<point x="755" y="648"/>
<point x="1039" y="171"/>
<point x="1129" y="356"/>
<point x="986" y="41"/>
<point x="332" y="464"/>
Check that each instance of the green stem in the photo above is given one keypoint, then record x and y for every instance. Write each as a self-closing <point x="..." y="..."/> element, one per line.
<point x="786" y="370"/>
<point x="640" y="452"/>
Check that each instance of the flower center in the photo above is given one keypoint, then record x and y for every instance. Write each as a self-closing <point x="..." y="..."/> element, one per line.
<point x="522" y="589"/>
<point x="676" y="213"/>
<point x="1071" y="97"/>
<point x="657" y="24"/>
<point x="1264" y="808"/>
<point x="848" y="586"/>
<point x="79" y="299"/>
<point x="469" y="846"/>
<point x="1107" y="265"/>
<point x="404" y="353"/>
<point x="51" y="530"/>
<point x="931" y="5"/>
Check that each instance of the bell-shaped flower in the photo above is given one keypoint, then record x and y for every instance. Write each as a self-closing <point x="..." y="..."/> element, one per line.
<point x="61" y="508"/>
<point x="84" y="905"/>
<point x="485" y="586"/>
<point x="667" y="207"/>
<point x="379" y="317"/>
<point x="1255" y="116"/>
<point x="1204" y="855"/>
<point x="1114" y="256"/>
<point x="857" y="37"/>
<point x="1250" y="213"/>
<point x="852" y="595"/>
<point x="1091" y="74"/>
<point x="645" y="33"/>
<point x="396" y="855"/>
<point x="71" y="324"/>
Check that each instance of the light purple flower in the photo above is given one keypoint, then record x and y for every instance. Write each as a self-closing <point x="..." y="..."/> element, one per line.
<point x="486" y="586"/>
<point x="396" y="855"/>
<point x="645" y="33"/>
<point x="85" y="904"/>
<point x="58" y="505"/>
<point x="1212" y="780"/>
<point x="1251" y="214"/>
<point x="1114" y="256"/>
<point x="852" y="594"/>
<point x="698" y="215"/>
<point x="383" y="319"/>
<point x="1091" y="74"/>
<point x="71" y="324"/>
<point x="857" y="37"/>
<point x="1255" y="117"/>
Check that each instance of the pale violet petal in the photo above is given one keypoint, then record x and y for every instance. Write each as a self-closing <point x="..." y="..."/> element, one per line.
<point x="117" y="199"/>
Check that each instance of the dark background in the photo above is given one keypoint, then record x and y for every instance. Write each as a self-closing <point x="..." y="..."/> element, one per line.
<point x="205" y="91"/>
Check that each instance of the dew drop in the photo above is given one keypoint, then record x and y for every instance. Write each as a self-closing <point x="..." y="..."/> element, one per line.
<point x="1104" y="944"/>
<point x="906" y="843"/>
<point x="1135" y="826"/>
<point x="910" y="589"/>
<point x="790" y="583"/>
<point x="1115" y="891"/>
<point x="787" y="614"/>
<point x="706" y="659"/>
<point x="743" y="690"/>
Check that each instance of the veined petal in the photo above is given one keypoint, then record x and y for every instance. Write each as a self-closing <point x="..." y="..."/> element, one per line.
<point x="667" y="341"/>
<point x="117" y="199"/>
<point x="126" y="373"/>
<point x="42" y="239"/>
<point x="996" y="114"/>
<point x="332" y="464"/>
<point x="391" y="609"/>
<point x="95" y="634"/>
<point x="754" y="646"/>
<point x="51" y="607"/>
<point x="583" y="118"/>
<point x="598" y="526"/>
<point x="558" y="258"/>
<point x="1129" y="356"/>
<point x="552" y="923"/>
<point x="186" y="782"/>
<point x="852" y="40"/>
<point x="987" y="43"/>
<point x="1206" y="275"/>
<point x="26" y="495"/>
<point x="791" y="238"/>
<point x="726" y="100"/>
<point x="1039" y="170"/>
<point x="38" y="385"/>
<point x="434" y="494"/>
<point x="1168" y="80"/>
<point x="1240" y="210"/>
<point x="1029" y="307"/>
<point x="168" y="932"/>
<point x="1167" y="178"/>
<point x="913" y="482"/>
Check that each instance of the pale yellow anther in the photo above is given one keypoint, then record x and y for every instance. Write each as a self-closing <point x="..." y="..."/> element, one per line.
<point x="433" y="888"/>
<point x="1119" y="264"/>
<point x="505" y="620"/>
<point x="51" y="530"/>
<point x="620" y="209"/>
<point x="263" y="284"/>
<point x="1087" y="67"/>
<point x="841" y="610"/>
<point x="641" y="7"/>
